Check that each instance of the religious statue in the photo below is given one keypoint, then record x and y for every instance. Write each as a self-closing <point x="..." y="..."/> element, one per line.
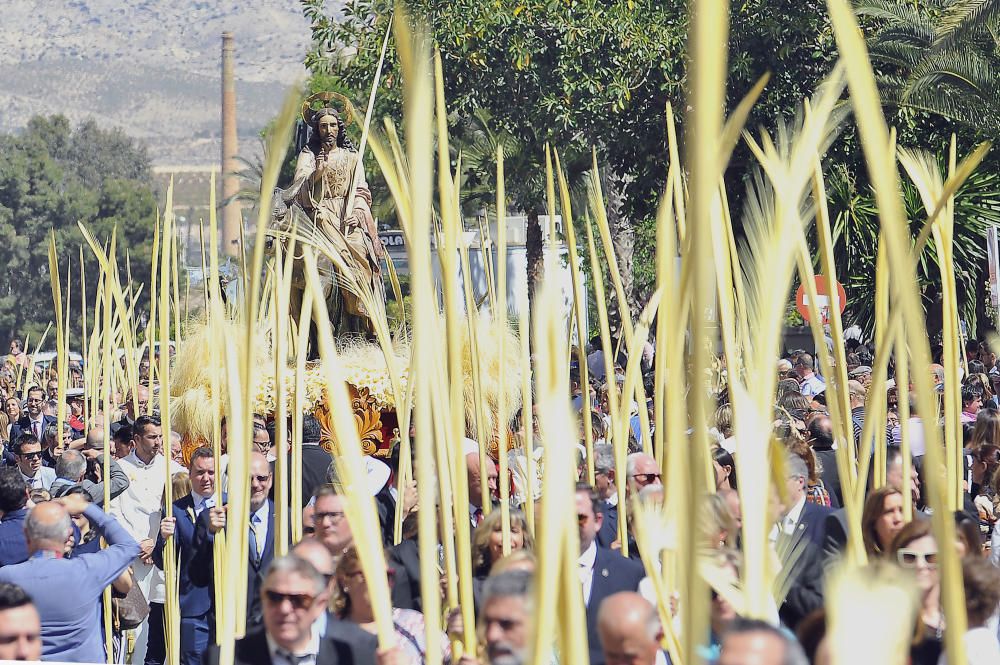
<point x="331" y="191"/>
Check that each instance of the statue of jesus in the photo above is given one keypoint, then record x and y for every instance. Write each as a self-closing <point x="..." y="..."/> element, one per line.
<point x="324" y="171"/>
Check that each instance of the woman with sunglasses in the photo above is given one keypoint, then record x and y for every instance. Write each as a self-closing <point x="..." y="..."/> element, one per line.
<point x="915" y="549"/>
<point x="351" y="602"/>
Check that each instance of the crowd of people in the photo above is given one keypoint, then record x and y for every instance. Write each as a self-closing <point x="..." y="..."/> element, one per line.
<point x="66" y="538"/>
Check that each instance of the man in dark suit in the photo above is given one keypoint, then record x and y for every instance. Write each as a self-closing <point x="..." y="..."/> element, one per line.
<point x="195" y="601"/>
<point x="603" y="572"/>
<point x="289" y="596"/>
<point x="821" y="440"/>
<point x="315" y="460"/>
<point x="34" y="421"/>
<point x="801" y="527"/>
<point x="261" y="538"/>
<point x="13" y="498"/>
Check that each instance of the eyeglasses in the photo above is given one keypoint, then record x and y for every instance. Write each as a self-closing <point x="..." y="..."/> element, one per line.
<point x="912" y="558"/>
<point x="334" y="516"/>
<point x="261" y="479"/>
<point x="646" y="478"/>
<point x="30" y="456"/>
<point x="298" y="601"/>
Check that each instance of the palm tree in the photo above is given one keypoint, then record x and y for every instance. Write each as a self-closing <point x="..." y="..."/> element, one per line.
<point x="938" y="56"/>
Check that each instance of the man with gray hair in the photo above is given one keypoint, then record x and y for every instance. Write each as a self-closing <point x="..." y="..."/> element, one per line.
<point x="291" y="597"/>
<point x="506" y="617"/>
<point x="801" y="525"/>
<point x="71" y="471"/>
<point x="630" y="630"/>
<point x="67" y="591"/>
<point x="754" y="641"/>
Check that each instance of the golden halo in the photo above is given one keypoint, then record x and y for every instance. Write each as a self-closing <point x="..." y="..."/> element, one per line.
<point x="346" y="107"/>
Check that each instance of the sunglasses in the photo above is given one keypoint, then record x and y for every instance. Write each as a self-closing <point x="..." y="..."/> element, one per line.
<point x="334" y="516"/>
<point x="911" y="558"/>
<point x="298" y="601"/>
<point x="646" y="478"/>
<point x="390" y="574"/>
<point x="261" y="479"/>
<point x="30" y="456"/>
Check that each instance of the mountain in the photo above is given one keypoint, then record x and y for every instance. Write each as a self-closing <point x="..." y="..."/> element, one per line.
<point x="151" y="67"/>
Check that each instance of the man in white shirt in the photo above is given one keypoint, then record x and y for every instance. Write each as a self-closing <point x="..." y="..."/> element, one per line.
<point x="137" y="509"/>
<point x="28" y="452"/>
<point x="810" y="384"/>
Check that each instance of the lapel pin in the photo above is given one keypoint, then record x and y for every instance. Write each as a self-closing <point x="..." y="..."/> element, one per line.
<point x="604" y="572"/>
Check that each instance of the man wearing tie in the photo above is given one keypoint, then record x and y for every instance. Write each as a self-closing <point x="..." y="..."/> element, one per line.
<point x="603" y="572"/>
<point x="195" y="602"/>
<point x="476" y="509"/>
<point x="801" y="522"/>
<point x="260" y="538"/>
<point x="35" y="422"/>
<point x="28" y="452"/>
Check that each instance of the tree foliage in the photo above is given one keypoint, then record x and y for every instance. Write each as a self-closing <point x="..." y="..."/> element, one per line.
<point x="51" y="177"/>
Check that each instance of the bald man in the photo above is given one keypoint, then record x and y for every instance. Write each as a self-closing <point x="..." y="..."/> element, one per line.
<point x="66" y="592"/>
<point x="630" y="630"/>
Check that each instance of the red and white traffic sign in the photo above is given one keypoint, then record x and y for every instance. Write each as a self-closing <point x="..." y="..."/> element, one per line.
<point x="824" y="300"/>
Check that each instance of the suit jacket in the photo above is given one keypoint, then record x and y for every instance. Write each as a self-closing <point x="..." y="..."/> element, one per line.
<point x="609" y="527"/>
<point x="405" y="559"/>
<point x="195" y="601"/>
<point x="119" y="483"/>
<point x="830" y="475"/>
<point x="361" y="643"/>
<point x="252" y="650"/>
<point x="315" y="462"/>
<point x="24" y="425"/>
<point x="201" y="570"/>
<point x="13" y="544"/>
<point x="806" y="592"/>
<point x="612" y="573"/>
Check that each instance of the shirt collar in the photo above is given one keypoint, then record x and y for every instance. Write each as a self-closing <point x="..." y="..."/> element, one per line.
<point x="134" y="459"/>
<point x="311" y="648"/>
<point x="261" y="513"/>
<point x="589" y="556"/>
<point x="795" y="513"/>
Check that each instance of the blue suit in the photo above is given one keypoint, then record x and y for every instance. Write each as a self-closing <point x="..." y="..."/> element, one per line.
<point x="13" y="544"/>
<point x="195" y="601"/>
<point x="66" y="592"/>
<point x="612" y="573"/>
<point x="24" y="425"/>
<point x="202" y="570"/>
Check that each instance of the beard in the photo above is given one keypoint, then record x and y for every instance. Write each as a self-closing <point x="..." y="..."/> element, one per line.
<point x="329" y="142"/>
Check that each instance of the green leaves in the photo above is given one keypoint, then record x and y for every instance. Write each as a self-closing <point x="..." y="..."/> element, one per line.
<point x="52" y="176"/>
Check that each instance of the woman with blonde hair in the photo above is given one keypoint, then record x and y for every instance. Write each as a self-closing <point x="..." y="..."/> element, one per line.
<point x="351" y="602"/>
<point x="487" y="540"/>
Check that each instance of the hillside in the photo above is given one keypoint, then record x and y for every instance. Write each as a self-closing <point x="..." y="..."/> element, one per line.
<point x="150" y="67"/>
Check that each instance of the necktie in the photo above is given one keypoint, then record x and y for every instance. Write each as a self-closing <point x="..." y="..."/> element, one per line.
<point x="478" y="516"/>
<point x="256" y="542"/>
<point x="35" y="426"/>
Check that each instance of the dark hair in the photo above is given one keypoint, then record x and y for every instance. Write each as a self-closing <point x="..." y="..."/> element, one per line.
<point x="872" y="511"/>
<point x="595" y="500"/>
<point x="199" y="452"/>
<point x="13" y="596"/>
<point x="35" y="389"/>
<point x="312" y="432"/>
<point x="123" y="434"/>
<point x="24" y="439"/>
<point x="142" y="422"/>
<point x="820" y="431"/>
<point x="342" y="140"/>
<point x="12" y="494"/>
<point x="971" y="391"/>
<point x="723" y="457"/>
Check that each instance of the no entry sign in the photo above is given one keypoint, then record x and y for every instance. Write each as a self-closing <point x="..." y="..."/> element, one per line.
<point x="823" y="299"/>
